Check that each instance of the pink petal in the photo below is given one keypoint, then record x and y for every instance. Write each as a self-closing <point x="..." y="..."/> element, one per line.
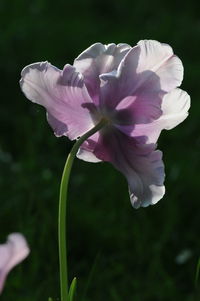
<point x="11" y="253"/>
<point x="98" y="59"/>
<point x="174" y="108"/>
<point x="146" y="73"/>
<point x="63" y="94"/>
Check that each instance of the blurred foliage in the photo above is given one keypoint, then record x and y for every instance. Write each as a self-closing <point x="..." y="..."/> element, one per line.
<point x="137" y="251"/>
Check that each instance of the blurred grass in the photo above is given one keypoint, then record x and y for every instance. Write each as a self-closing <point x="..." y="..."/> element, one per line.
<point x="138" y="248"/>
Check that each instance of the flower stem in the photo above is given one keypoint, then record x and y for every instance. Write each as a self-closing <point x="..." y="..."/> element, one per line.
<point x="62" y="209"/>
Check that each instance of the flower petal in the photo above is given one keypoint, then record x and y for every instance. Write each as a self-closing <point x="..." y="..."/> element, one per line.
<point x="174" y="107"/>
<point x="86" y="151"/>
<point x="11" y="253"/>
<point x="140" y="163"/>
<point x="62" y="93"/>
<point x="146" y="73"/>
<point x="98" y="59"/>
<point x="159" y="58"/>
<point x="146" y="186"/>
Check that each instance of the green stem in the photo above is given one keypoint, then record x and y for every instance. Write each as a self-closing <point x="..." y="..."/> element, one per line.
<point x="62" y="209"/>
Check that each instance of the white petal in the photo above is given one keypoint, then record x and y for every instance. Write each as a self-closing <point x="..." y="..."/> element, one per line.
<point x="175" y="108"/>
<point x="86" y="151"/>
<point x="87" y="156"/>
<point x="159" y="58"/>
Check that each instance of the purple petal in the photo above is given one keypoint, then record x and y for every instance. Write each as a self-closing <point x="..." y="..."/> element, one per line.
<point x="146" y="73"/>
<point x="58" y="127"/>
<point x="174" y="107"/>
<point x="98" y="59"/>
<point x="140" y="163"/>
<point x="11" y="253"/>
<point x="146" y="186"/>
<point x="63" y="94"/>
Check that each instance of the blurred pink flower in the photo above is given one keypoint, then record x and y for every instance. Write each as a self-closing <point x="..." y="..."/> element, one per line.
<point x="134" y="88"/>
<point x="11" y="253"/>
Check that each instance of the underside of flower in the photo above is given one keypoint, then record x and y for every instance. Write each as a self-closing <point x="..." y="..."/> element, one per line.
<point x="134" y="89"/>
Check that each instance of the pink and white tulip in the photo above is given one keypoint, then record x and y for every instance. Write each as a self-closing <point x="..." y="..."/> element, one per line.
<point x="134" y="88"/>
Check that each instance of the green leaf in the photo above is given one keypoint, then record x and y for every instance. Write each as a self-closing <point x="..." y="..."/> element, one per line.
<point x="50" y="299"/>
<point x="72" y="290"/>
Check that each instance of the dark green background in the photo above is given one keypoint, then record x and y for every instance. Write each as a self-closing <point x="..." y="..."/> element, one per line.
<point x="135" y="250"/>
